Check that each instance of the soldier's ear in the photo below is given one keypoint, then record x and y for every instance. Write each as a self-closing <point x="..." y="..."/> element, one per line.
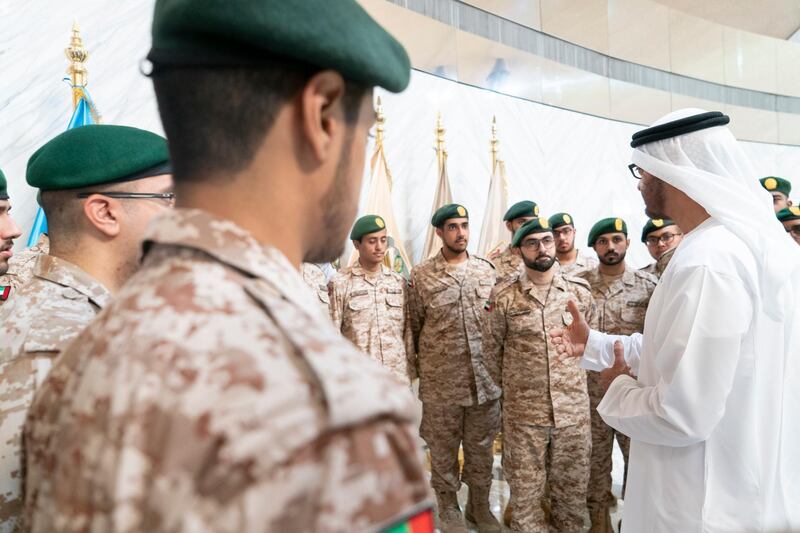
<point x="439" y="232"/>
<point x="103" y="214"/>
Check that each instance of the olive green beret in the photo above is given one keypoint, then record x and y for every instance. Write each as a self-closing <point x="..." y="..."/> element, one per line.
<point x="366" y="225"/>
<point x="95" y="155"/>
<point x="655" y="224"/>
<point x="774" y="183"/>
<point x="788" y="213"/>
<point x="561" y="219"/>
<point x="525" y="208"/>
<point x="536" y="225"/>
<point x="3" y="186"/>
<point x="328" y="34"/>
<point x="607" y="225"/>
<point x="447" y="212"/>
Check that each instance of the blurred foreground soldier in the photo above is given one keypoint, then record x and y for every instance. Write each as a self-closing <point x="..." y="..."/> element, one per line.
<point x="568" y="256"/>
<point x="621" y="295"/>
<point x="712" y="416"/>
<point x="661" y="236"/>
<point x="546" y="434"/>
<point x="314" y="278"/>
<point x="100" y="187"/>
<point x="449" y="305"/>
<point x="8" y="232"/>
<point x="790" y="218"/>
<point x="509" y="261"/>
<point x="211" y="395"/>
<point x="368" y="302"/>
<point x="780" y="189"/>
<point x="20" y="267"/>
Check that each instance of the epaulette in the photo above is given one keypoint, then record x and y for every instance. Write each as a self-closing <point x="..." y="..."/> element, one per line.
<point x="484" y="260"/>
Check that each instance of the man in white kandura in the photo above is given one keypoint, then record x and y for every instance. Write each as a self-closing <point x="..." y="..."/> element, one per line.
<point x="714" y="412"/>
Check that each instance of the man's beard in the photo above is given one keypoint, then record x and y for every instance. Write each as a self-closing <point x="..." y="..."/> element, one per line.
<point x="611" y="259"/>
<point x="338" y="207"/>
<point x="542" y="263"/>
<point x="6" y="245"/>
<point x="654" y="200"/>
<point x="458" y="247"/>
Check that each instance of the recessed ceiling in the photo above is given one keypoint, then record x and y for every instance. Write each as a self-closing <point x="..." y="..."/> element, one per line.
<point x="775" y="18"/>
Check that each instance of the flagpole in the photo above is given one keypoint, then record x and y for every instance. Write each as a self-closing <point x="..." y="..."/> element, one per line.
<point x="77" y="56"/>
<point x="494" y="143"/>
<point x="441" y="153"/>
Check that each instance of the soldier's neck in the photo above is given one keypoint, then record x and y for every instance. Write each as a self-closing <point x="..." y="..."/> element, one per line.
<point x="540" y="278"/>
<point x="612" y="270"/>
<point x="454" y="258"/>
<point x="101" y="265"/>
<point x="369" y="267"/>
<point x="567" y="258"/>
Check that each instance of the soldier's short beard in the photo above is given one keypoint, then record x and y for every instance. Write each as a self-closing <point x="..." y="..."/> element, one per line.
<point x="539" y="267"/>
<point x="603" y="259"/>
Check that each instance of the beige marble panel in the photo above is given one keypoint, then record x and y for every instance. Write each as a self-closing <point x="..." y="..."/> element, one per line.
<point x="583" y="22"/>
<point x="431" y="45"/>
<point x="637" y="104"/>
<point x="680" y="101"/>
<point x="788" y="68"/>
<point x="525" y="12"/>
<point x="638" y="31"/>
<point x="750" y="60"/>
<point x="753" y="124"/>
<point x="696" y="47"/>
<point x="789" y="128"/>
<point x="485" y="63"/>
<point x="575" y="89"/>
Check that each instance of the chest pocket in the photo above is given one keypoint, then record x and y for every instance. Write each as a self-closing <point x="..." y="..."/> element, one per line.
<point x="359" y="300"/>
<point x="322" y="292"/>
<point x="634" y="311"/>
<point x="523" y="320"/>
<point x="484" y="290"/>
<point x="444" y="297"/>
<point x="394" y="298"/>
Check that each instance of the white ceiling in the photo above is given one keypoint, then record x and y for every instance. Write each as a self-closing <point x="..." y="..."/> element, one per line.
<point x="775" y="18"/>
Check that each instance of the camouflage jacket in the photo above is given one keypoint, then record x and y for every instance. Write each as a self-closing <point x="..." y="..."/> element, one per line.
<point x="659" y="266"/>
<point x="371" y="311"/>
<point x="449" y="319"/>
<point x="48" y="312"/>
<point x="210" y="397"/>
<point x="508" y="265"/>
<point x="622" y="306"/>
<point x="538" y="389"/>
<point x="20" y="267"/>
<point x="582" y="264"/>
<point x="314" y="277"/>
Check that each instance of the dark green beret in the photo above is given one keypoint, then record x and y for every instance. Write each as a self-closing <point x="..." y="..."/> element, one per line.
<point x="536" y="225"/>
<point x="95" y="155"/>
<point x="655" y="224"/>
<point x="774" y="183"/>
<point x="3" y="186"/>
<point x="561" y="219"/>
<point x="447" y="212"/>
<point x="525" y="208"/>
<point x="366" y="225"/>
<point x="788" y="213"/>
<point x="607" y="225"/>
<point x="329" y="34"/>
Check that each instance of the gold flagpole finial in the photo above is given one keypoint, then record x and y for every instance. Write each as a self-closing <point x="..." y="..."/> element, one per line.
<point x="440" y="131"/>
<point x="380" y="121"/>
<point x="494" y="143"/>
<point x="77" y="56"/>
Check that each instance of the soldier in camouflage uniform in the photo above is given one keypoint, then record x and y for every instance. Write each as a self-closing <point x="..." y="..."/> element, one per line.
<point x="449" y="307"/>
<point x="546" y="435"/>
<point x="314" y="278"/>
<point x="508" y="262"/>
<point x="622" y="295"/>
<point x="8" y="232"/>
<point x="368" y="302"/>
<point x="93" y="239"/>
<point x="211" y="395"/>
<point x="20" y="267"/>
<point x="570" y="259"/>
<point x="662" y="237"/>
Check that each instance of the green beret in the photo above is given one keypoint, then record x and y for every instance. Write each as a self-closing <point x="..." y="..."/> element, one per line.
<point x="788" y="213"/>
<point x="96" y="155"/>
<point x="774" y="183"/>
<point x="536" y="225"/>
<point x="366" y="225"/>
<point x="328" y="34"/>
<point x="607" y="225"/>
<point x="561" y="219"/>
<point x="3" y="186"/>
<point x="447" y="212"/>
<point x="525" y="208"/>
<point x="655" y="224"/>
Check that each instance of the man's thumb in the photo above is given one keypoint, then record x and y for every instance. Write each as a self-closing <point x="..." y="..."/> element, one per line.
<point x="619" y="354"/>
<point x="574" y="311"/>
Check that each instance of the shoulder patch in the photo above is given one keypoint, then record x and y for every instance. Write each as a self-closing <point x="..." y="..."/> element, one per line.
<point x="5" y="292"/>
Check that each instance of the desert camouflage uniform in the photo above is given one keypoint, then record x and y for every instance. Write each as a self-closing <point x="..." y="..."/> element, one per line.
<point x="582" y="264"/>
<point x="449" y="308"/>
<point x="620" y="309"/>
<point x="20" y="267"/>
<point x="659" y="266"/>
<point x="314" y="277"/>
<point x="370" y="310"/>
<point x="545" y="403"/>
<point x="48" y="312"/>
<point x="209" y="397"/>
<point x="508" y="265"/>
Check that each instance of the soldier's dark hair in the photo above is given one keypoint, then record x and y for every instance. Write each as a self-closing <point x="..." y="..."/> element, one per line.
<point x="216" y="118"/>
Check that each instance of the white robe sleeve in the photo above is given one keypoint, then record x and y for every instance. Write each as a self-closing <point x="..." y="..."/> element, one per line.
<point x="599" y="352"/>
<point x="701" y="325"/>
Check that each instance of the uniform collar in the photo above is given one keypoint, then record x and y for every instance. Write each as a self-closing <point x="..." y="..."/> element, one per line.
<point x="358" y="270"/>
<point x="62" y="272"/>
<point x="558" y="283"/>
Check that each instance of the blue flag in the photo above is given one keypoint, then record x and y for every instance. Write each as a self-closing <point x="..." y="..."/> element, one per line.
<point x="83" y="115"/>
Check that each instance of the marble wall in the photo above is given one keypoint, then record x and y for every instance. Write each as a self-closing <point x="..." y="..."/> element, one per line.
<point x="564" y="160"/>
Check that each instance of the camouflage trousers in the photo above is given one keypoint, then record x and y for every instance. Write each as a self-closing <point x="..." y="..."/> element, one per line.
<point x="445" y="428"/>
<point x="537" y="455"/>
<point x="599" y="498"/>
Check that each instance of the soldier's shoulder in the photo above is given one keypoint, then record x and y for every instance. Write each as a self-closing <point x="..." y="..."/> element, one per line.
<point x="647" y="278"/>
<point x="578" y="284"/>
<point x="341" y="276"/>
<point x="505" y="289"/>
<point x="424" y="267"/>
<point x="483" y="263"/>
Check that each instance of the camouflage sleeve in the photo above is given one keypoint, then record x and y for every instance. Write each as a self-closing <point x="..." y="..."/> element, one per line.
<point x="336" y="304"/>
<point x="408" y="337"/>
<point x="416" y="310"/>
<point x="495" y="340"/>
<point x="592" y="316"/>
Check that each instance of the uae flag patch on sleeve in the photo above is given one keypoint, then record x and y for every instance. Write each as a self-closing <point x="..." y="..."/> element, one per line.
<point x="5" y="292"/>
<point x="421" y="522"/>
